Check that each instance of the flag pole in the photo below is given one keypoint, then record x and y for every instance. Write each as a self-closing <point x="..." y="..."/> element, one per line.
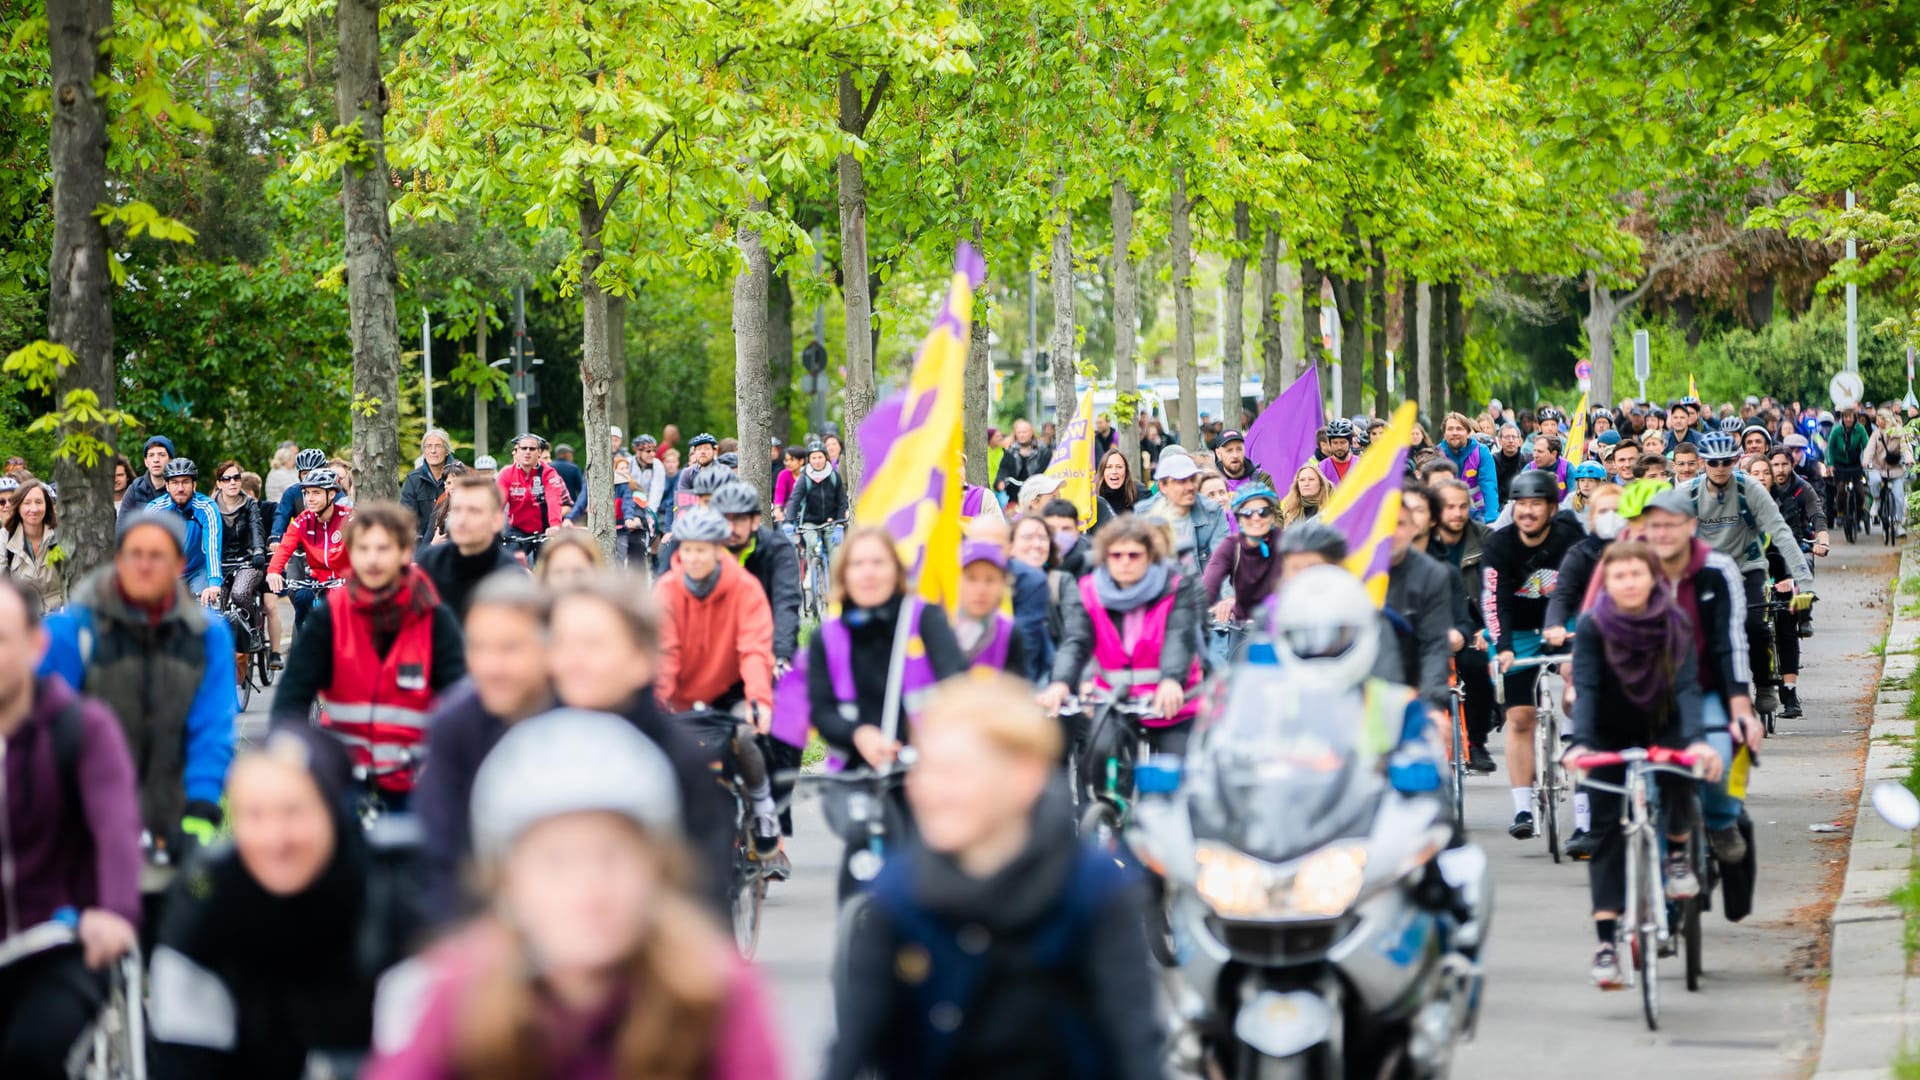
<point x="897" y="665"/>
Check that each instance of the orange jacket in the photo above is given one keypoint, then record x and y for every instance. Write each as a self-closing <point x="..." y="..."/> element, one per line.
<point x="729" y="638"/>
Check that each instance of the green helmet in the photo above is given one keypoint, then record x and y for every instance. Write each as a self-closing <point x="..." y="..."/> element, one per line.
<point x="1635" y="496"/>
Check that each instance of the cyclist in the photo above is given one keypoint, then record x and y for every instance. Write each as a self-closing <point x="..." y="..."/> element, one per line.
<point x="1248" y="564"/>
<point x="701" y="451"/>
<point x="69" y="838"/>
<point x="1025" y="457"/>
<point x="1339" y="460"/>
<point x="1140" y="587"/>
<point x="1587" y="476"/>
<point x="770" y="558"/>
<point x="152" y="483"/>
<point x="1459" y="540"/>
<point x="819" y="496"/>
<point x="379" y="652"/>
<point x="204" y="526"/>
<point x="243" y="528"/>
<point x="425" y="485"/>
<point x="1889" y="456"/>
<point x="1030" y="937"/>
<point x="1635" y="675"/>
<point x="132" y="636"/>
<point x="981" y="625"/>
<point x="271" y="944"/>
<point x="1198" y="523"/>
<point x="1547" y="459"/>
<point x="1709" y="591"/>
<point x="1806" y="518"/>
<point x="472" y="550"/>
<point x="486" y="467"/>
<point x="716" y="651"/>
<point x="1625" y="459"/>
<point x="1754" y="439"/>
<point x="1737" y="516"/>
<point x="532" y="495"/>
<point x="1846" y="458"/>
<point x="1230" y="457"/>
<point x="594" y="958"/>
<point x="1508" y="460"/>
<point x="1474" y="463"/>
<point x="319" y="533"/>
<point x="1520" y="564"/>
<point x="291" y="501"/>
<point x="31" y="553"/>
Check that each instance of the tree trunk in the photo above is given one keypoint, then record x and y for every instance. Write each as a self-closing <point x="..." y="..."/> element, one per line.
<point x="1313" y="346"/>
<point x="1603" y="311"/>
<point x="1273" y="363"/>
<point x="1293" y="339"/>
<point x="80" y="307"/>
<point x="1126" y="333"/>
<point x="596" y="374"/>
<point x="1184" y="371"/>
<point x="1233" y="337"/>
<point x="1430" y="402"/>
<point x="1409" y="369"/>
<point x="1456" y="345"/>
<point x="617" y="415"/>
<point x="752" y="392"/>
<point x="976" y="405"/>
<point x="479" y="402"/>
<point x="1060" y="345"/>
<point x="780" y="353"/>
<point x="854" y="283"/>
<point x="1350" y="302"/>
<point x="360" y="96"/>
<point x="1377" y="331"/>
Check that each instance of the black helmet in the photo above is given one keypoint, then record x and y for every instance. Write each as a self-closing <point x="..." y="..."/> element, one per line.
<point x="309" y="460"/>
<point x="1314" y="536"/>
<point x="1535" y="484"/>
<point x="181" y="466"/>
<point x="710" y="479"/>
<point x="736" y="497"/>
<point x="1341" y="428"/>
<point x="730" y="459"/>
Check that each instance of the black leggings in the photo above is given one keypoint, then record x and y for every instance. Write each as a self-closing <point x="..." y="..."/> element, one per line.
<point x="1607" y="873"/>
<point x="1759" y="634"/>
<point x="1471" y="665"/>
<point x="46" y="1004"/>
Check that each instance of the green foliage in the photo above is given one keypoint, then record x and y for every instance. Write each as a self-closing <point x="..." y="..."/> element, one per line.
<point x="1790" y="359"/>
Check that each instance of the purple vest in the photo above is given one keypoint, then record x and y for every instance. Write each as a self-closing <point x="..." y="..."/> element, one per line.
<point x="994" y="645"/>
<point x="791" y="707"/>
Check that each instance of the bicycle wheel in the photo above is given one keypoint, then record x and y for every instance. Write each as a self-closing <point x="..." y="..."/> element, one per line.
<point x="1690" y="910"/>
<point x="1645" y="937"/>
<point x="1546" y="770"/>
<point x="1100" y="825"/>
<point x="749" y="898"/>
<point x="1459" y="763"/>
<point x="1848" y="521"/>
<point x="263" y="667"/>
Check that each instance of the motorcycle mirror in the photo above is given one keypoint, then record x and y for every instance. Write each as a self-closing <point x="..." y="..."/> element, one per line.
<point x="1896" y="805"/>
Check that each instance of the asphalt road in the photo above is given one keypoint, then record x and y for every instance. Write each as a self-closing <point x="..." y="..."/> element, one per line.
<point x="1758" y="1012"/>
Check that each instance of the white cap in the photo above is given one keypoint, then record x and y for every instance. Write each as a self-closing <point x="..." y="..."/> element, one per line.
<point x="1039" y="485"/>
<point x="565" y="762"/>
<point x="617" y="433"/>
<point x="1175" y="464"/>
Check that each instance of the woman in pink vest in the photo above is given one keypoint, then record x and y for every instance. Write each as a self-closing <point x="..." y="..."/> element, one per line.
<point x="1136" y="619"/>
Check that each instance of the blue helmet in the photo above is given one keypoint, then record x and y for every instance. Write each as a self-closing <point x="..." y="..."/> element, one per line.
<point x="1589" y="470"/>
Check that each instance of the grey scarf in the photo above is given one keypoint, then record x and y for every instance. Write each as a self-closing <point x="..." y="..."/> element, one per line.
<point x="1119" y="600"/>
<point x="700" y="587"/>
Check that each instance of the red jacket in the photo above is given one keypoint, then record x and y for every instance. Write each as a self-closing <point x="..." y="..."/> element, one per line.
<point x="523" y="493"/>
<point x="325" y="543"/>
<point x="708" y="645"/>
<point x="378" y="706"/>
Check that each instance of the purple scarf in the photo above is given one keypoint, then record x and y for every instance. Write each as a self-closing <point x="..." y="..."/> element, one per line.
<point x="1643" y="649"/>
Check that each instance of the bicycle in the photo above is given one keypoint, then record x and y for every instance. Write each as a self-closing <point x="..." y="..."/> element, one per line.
<point x="524" y="544"/>
<point x="1549" y="786"/>
<point x="256" y="648"/>
<point x="714" y="730"/>
<point x="115" y="1046"/>
<point x="1643" y="923"/>
<point x="1457" y="749"/>
<point x="815" y="550"/>
<point x="856" y="807"/>
<point x="1850" y="497"/>
<point x="1773" y="611"/>
<point x="1883" y="512"/>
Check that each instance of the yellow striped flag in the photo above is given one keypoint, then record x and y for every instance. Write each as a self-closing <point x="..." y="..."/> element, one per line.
<point x="1073" y="462"/>
<point x="1366" y="505"/>
<point x="912" y="443"/>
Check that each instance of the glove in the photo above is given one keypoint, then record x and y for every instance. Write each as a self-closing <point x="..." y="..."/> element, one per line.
<point x="201" y="822"/>
<point x="1801" y="602"/>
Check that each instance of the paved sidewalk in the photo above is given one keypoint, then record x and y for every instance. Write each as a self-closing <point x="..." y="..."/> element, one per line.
<point x="1873" y="1006"/>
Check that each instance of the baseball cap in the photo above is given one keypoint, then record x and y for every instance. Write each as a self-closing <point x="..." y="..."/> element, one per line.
<point x="615" y="432"/>
<point x="973" y="551"/>
<point x="1231" y="436"/>
<point x="1674" y="501"/>
<point x="1175" y="466"/>
<point x="1039" y="485"/>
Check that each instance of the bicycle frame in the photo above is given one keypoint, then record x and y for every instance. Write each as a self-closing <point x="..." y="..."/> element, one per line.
<point x="1548" y="785"/>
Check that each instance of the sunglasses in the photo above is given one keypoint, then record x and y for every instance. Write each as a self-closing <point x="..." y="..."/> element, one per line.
<point x="233" y="478"/>
<point x="1255" y="512"/>
<point x="1126" y="556"/>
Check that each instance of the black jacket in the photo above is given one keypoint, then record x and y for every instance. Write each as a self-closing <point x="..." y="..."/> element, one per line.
<point x="816" y="504"/>
<point x="1603" y="718"/>
<point x="1570" y="588"/>
<point x="457" y="575"/>
<point x="141" y="491"/>
<point x="243" y="534"/>
<point x="1421" y="589"/>
<point x="1033" y="1011"/>
<point x="1801" y="507"/>
<point x="1017" y="467"/>
<point x="872" y="648"/>
<point x="775" y="563"/>
<point x="420" y="494"/>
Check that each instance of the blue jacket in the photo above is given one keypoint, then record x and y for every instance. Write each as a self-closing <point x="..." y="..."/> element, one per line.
<point x="1031" y="605"/>
<point x="205" y="541"/>
<point x="1481" y="478"/>
<point x="71" y="647"/>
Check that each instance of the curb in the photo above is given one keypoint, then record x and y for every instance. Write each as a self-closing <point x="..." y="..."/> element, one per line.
<point x="1873" y="1005"/>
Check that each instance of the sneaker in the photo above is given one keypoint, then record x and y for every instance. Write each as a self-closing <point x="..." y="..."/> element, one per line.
<point x="1479" y="762"/>
<point x="1681" y="883"/>
<point x="275" y="661"/>
<point x="1582" y="844"/>
<point x="1766" y="701"/>
<point x="1790" y="703"/>
<point x="1606" y="972"/>
<point x="1806" y="628"/>
<point x="766" y="834"/>
<point x="1728" y="845"/>
<point x="1522" y="827"/>
<point x="779" y="867"/>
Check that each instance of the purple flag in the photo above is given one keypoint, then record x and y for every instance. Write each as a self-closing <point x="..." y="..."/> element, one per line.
<point x="1281" y="438"/>
<point x="877" y="433"/>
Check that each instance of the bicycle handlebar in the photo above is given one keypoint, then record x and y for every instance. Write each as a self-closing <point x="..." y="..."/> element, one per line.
<point x="1657" y="755"/>
<point x="1549" y="660"/>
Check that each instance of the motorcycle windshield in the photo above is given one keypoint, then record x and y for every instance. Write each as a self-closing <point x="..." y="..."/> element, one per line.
<point x="1280" y="770"/>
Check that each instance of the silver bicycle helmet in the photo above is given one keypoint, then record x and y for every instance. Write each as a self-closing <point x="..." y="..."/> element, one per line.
<point x="738" y="497"/>
<point x="701" y="525"/>
<point x="570" y="761"/>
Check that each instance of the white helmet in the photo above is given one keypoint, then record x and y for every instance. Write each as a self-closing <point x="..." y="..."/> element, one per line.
<point x="565" y="762"/>
<point x="1325" y="628"/>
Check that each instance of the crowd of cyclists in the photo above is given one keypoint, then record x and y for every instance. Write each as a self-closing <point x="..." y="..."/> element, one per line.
<point x="494" y="823"/>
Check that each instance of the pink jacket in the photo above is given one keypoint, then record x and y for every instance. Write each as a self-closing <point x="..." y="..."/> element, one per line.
<point x="421" y="999"/>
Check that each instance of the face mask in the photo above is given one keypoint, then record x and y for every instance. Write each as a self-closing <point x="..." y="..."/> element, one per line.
<point x="1064" y="540"/>
<point x="1608" y="524"/>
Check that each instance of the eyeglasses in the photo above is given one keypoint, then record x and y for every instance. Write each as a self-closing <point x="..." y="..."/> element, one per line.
<point x="231" y="478"/>
<point x="1126" y="556"/>
<point x="1255" y="512"/>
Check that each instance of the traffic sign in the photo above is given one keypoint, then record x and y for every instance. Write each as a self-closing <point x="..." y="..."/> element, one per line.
<point x="1642" y="356"/>
<point x="1847" y="389"/>
<point x="1583" y="370"/>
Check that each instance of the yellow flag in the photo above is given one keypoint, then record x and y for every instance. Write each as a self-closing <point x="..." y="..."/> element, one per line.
<point x="1692" y="390"/>
<point x="1073" y="462"/>
<point x="1577" y="433"/>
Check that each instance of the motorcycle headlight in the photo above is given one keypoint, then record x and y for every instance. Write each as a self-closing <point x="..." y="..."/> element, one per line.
<point x="1234" y="885"/>
<point x="1329" y="880"/>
